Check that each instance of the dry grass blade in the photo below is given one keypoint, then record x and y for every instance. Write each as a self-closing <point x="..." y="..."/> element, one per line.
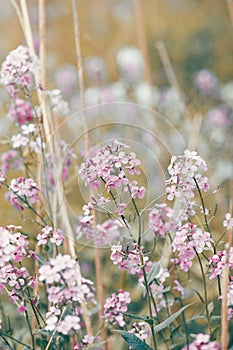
<point x="225" y="287"/>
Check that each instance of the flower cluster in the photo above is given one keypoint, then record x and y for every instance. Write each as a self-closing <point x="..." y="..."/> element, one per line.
<point x="13" y="249"/>
<point x="218" y="263"/>
<point x="188" y="241"/>
<point x="15" y="279"/>
<point x="62" y="325"/>
<point x="62" y="281"/>
<point x="48" y="233"/>
<point x="13" y="245"/>
<point x="22" y="192"/>
<point x="162" y="220"/>
<point x="183" y="169"/>
<point x="202" y="342"/>
<point x="104" y="233"/>
<point x="115" y="306"/>
<point x="111" y="166"/>
<point x="128" y="258"/>
<point x="20" y="111"/>
<point x="18" y="69"/>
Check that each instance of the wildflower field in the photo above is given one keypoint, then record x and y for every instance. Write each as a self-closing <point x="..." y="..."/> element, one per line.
<point x="116" y="175"/>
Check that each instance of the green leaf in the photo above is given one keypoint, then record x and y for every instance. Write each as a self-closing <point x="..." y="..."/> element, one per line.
<point x="200" y="297"/>
<point x="153" y="273"/>
<point x="136" y="317"/>
<point x="170" y="319"/>
<point x="134" y="341"/>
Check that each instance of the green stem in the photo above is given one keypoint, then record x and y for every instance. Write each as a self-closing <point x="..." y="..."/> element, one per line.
<point x="7" y="342"/>
<point x="30" y="329"/>
<point x="203" y="208"/>
<point x="149" y="301"/>
<point x="205" y="291"/>
<point x="157" y="314"/>
<point x="139" y="223"/>
<point x="2" y="334"/>
<point x="185" y="325"/>
<point x="207" y="226"/>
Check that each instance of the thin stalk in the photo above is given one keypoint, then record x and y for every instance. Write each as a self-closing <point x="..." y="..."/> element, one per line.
<point x="205" y="291"/>
<point x="169" y="71"/>
<point x="185" y="325"/>
<point x="207" y="225"/>
<point x="141" y="38"/>
<point x="98" y="263"/>
<point x="203" y="207"/>
<point x="156" y="310"/>
<point x="16" y="340"/>
<point x="7" y="343"/>
<point x="30" y="329"/>
<point x="148" y="301"/>
<point x="230" y="9"/>
<point x="24" y="200"/>
<point x="139" y="222"/>
<point x="53" y="334"/>
<point x="80" y="70"/>
<point x="47" y="132"/>
<point x="225" y="283"/>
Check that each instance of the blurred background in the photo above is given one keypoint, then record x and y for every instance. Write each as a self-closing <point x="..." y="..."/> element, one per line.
<point x="126" y="47"/>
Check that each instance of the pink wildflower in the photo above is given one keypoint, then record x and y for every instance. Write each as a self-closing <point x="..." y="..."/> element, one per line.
<point x="115" y="306"/>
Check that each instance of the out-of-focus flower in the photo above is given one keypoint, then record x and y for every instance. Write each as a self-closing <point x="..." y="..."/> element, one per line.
<point x="87" y="342"/>
<point x="2" y="176"/>
<point x="11" y="159"/>
<point x="57" y="102"/>
<point x="171" y="104"/>
<point x="218" y="116"/>
<point x="20" y="111"/>
<point x="65" y="78"/>
<point x="95" y="69"/>
<point x="202" y="342"/>
<point x="228" y="222"/>
<point x="206" y="82"/>
<point x="130" y="64"/>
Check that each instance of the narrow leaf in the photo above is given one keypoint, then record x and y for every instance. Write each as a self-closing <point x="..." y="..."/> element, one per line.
<point x="170" y="319"/>
<point x="200" y="297"/>
<point x="136" y="317"/>
<point x="134" y="341"/>
<point x="153" y="273"/>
